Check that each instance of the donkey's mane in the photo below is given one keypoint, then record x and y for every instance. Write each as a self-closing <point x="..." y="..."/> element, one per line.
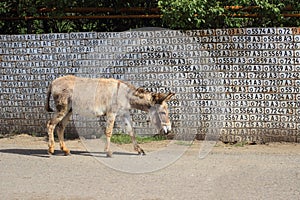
<point x="132" y="87"/>
<point x="139" y="98"/>
<point x="140" y="90"/>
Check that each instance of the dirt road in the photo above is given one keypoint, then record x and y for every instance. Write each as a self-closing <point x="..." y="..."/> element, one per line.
<point x="228" y="172"/>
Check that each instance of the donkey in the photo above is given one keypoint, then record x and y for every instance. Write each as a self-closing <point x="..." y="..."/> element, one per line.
<point x="110" y="97"/>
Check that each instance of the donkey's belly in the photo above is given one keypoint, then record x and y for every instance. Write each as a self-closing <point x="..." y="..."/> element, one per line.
<point x="99" y="112"/>
<point x="88" y="109"/>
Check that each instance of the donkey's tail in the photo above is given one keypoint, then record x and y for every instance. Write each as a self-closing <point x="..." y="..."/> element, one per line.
<point x="47" y="105"/>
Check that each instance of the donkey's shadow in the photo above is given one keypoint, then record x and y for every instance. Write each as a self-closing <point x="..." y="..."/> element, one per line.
<point x="44" y="154"/>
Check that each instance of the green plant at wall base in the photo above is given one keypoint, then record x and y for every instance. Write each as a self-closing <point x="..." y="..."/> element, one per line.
<point x="125" y="139"/>
<point x="240" y="144"/>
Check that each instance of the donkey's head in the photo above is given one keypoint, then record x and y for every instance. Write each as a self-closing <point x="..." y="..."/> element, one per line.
<point x="159" y="113"/>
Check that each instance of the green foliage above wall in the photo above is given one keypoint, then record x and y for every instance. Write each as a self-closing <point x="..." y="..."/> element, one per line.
<point x="48" y="16"/>
<point x="199" y="14"/>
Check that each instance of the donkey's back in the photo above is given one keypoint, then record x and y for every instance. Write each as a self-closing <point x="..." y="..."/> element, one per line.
<point x="85" y="94"/>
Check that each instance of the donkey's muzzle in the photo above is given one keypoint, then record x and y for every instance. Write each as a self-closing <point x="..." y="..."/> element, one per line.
<point x="167" y="129"/>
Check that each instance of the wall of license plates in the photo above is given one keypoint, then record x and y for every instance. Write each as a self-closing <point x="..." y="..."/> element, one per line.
<point x="239" y="84"/>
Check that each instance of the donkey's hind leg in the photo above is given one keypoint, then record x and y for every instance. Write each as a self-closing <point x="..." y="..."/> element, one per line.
<point x="61" y="113"/>
<point x="108" y="132"/>
<point x="60" y="132"/>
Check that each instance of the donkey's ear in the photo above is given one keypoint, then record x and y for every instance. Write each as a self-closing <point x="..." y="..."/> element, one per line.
<point x="158" y="98"/>
<point x="169" y="96"/>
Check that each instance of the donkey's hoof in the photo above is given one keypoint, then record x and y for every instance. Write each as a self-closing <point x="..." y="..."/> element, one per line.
<point x="142" y="152"/>
<point x="67" y="152"/>
<point x="109" y="154"/>
<point x="51" y="151"/>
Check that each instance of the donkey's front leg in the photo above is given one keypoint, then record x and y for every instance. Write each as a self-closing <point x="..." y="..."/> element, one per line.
<point x="108" y="132"/>
<point x="129" y="130"/>
<point x="136" y="146"/>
